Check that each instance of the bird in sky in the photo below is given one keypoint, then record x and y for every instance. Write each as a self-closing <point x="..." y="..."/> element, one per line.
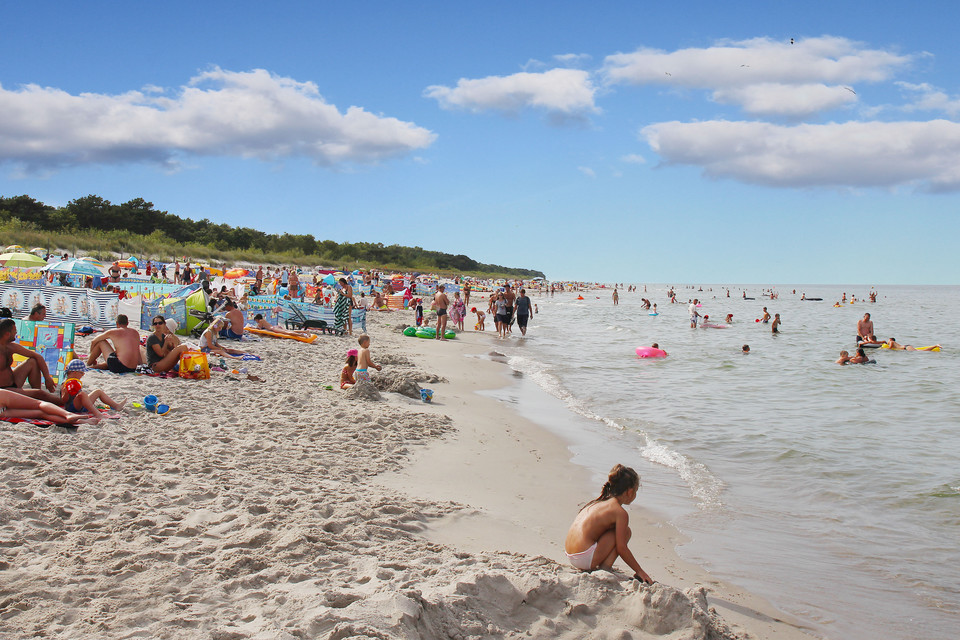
<point x="850" y="90"/>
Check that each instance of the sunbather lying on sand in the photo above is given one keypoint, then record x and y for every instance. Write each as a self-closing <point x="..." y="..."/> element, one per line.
<point x="262" y="323"/>
<point x="15" y="405"/>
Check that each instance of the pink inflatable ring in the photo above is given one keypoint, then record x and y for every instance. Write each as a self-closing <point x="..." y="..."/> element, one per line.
<point x="650" y="352"/>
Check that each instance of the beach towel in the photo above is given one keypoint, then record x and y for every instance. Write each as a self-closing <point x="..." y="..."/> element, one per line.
<point x="341" y="310"/>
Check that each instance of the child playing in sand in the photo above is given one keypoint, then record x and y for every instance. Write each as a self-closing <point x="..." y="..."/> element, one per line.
<point x="481" y="316"/>
<point x="346" y="374"/>
<point x="364" y="361"/>
<point x="600" y="532"/>
<point x="82" y="402"/>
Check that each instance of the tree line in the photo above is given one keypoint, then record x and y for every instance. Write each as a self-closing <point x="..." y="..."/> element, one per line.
<point x="140" y="217"/>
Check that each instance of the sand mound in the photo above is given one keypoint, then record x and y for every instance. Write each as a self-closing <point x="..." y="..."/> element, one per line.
<point x="400" y="382"/>
<point x="363" y="390"/>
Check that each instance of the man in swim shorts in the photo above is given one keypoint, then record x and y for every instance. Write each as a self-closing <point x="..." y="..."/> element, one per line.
<point x="510" y="298"/>
<point x="440" y="303"/>
<point x="694" y="314"/>
<point x="523" y="311"/>
<point x="120" y="348"/>
<point x="234" y="328"/>
<point x="864" y="327"/>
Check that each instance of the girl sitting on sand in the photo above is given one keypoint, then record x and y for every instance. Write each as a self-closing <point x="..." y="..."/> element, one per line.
<point x="209" y="342"/>
<point x="346" y="374"/>
<point x="600" y="532"/>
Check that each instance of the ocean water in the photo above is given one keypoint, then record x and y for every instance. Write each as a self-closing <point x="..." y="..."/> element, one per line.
<point x="832" y="490"/>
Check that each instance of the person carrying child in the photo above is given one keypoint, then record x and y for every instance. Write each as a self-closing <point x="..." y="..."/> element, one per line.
<point x="82" y="402"/>
<point x="600" y="532"/>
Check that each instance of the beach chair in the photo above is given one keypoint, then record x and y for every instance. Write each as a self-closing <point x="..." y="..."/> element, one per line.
<point x="300" y="321"/>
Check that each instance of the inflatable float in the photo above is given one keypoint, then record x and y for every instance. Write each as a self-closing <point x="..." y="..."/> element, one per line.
<point x="650" y="352"/>
<point x="428" y="333"/>
<point x="653" y="314"/>
<point x="263" y="332"/>
<point x="710" y="325"/>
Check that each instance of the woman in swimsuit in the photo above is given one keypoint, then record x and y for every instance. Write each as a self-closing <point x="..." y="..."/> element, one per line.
<point x="601" y="530"/>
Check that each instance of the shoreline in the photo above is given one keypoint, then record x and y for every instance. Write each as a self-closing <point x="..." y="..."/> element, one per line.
<point x="266" y="510"/>
<point x="532" y="484"/>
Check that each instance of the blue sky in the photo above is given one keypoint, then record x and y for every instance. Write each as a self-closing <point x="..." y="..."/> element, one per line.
<point x="633" y="141"/>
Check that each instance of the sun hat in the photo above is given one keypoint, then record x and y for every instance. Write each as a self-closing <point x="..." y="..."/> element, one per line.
<point x="172" y="325"/>
<point x="76" y="365"/>
<point x="352" y="352"/>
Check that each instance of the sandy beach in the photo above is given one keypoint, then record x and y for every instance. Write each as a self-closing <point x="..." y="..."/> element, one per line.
<point x="280" y="509"/>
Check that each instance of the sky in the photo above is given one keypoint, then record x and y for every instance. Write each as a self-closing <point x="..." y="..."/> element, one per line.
<point x="760" y="142"/>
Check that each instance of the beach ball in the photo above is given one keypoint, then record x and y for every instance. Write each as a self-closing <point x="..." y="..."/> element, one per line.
<point x="72" y="386"/>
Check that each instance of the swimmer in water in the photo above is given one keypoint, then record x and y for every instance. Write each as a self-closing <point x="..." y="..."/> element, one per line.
<point x="844" y="358"/>
<point x="860" y="358"/>
<point x="745" y="349"/>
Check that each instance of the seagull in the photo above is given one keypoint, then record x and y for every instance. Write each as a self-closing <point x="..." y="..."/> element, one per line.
<point x="744" y="65"/>
<point x="791" y="40"/>
<point x="850" y="90"/>
<point x="668" y="73"/>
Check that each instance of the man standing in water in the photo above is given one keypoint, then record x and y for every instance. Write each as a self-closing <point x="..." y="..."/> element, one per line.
<point x="693" y="313"/>
<point x="523" y="311"/>
<point x="440" y="303"/>
<point x="510" y="297"/>
<point x="864" y="328"/>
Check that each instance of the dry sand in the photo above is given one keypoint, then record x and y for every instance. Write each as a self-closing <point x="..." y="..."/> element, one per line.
<point x="283" y="510"/>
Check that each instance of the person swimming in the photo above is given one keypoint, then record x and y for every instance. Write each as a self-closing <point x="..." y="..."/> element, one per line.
<point x="600" y="532"/>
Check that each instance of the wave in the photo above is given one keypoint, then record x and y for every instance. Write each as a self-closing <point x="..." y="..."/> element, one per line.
<point x="705" y="488"/>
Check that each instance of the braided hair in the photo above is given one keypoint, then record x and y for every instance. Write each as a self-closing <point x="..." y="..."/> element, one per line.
<point x="620" y="480"/>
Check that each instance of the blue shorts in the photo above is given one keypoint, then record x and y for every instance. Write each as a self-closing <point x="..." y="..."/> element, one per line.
<point x="230" y="335"/>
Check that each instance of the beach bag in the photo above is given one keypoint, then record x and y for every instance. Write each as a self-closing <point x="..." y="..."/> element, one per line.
<point x="194" y="365"/>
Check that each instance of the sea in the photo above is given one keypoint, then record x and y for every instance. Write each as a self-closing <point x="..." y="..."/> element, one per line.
<point x="833" y="491"/>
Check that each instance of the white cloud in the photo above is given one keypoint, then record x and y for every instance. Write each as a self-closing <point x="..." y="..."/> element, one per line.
<point x="926" y="97"/>
<point x="219" y="113"/>
<point x="561" y="93"/>
<point x="587" y="171"/>
<point x="573" y="59"/>
<point x="762" y="75"/>
<point x="794" y="101"/>
<point x="850" y="154"/>
<point x="633" y="158"/>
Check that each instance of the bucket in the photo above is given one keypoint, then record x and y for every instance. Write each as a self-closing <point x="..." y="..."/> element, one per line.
<point x="150" y="402"/>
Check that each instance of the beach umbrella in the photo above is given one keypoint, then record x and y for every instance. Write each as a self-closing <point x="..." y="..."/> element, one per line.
<point x="330" y="279"/>
<point x="94" y="261"/>
<point x="40" y="251"/>
<point x="21" y="260"/>
<point x="125" y="264"/>
<point x="13" y="248"/>
<point x="75" y="266"/>
<point x="236" y="273"/>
